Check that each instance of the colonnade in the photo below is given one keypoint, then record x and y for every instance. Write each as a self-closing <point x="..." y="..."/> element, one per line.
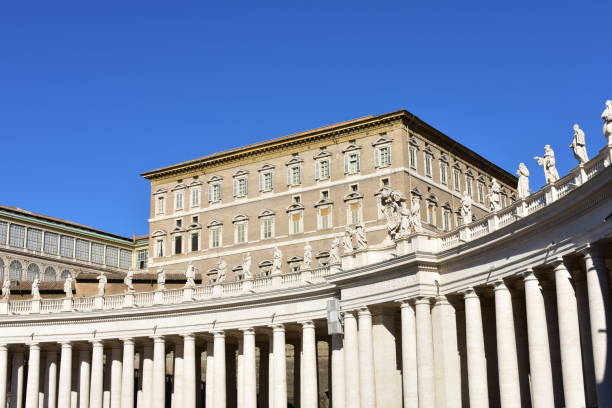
<point x="535" y="338"/>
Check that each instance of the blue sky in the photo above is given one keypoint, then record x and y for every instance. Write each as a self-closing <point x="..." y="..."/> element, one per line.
<point x="94" y="93"/>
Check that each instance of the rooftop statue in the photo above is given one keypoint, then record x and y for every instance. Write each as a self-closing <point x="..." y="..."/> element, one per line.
<point x="466" y="208"/>
<point x="128" y="281"/>
<point x="6" y="289"/>
<point x="494" y="196"/>
<point x="68" y="286"/>
<point x="307" y="263"/>
<point x="334" y="252"/>
<point x="221" y="271"/>
<point x="102" y="281"/>
<point x="36" y="289"/>
<point x="550" y="165"/>
<point x="415" y="214"/>
<point x="607" y="118"/>
<point x="347" y="240"/>
<point x="277" y="262"/>
<point x="161" y="279"/>
<point x="579" y="145"/>
<point x="247" y="261"/>
<point x="190" y="276"/>
<point x="523" y="181"/>
<point x="391" y="208"/>
<point x="360" y="237"/>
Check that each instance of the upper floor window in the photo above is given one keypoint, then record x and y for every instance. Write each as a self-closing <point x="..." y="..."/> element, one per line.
<point x="195" y="196"/>
<point x="34" y="239"/>
<point x="51" y="245"/>
<point x="351" y="163"/>
<point x="178" y="244"/>
<point x="431" y="214"/>
<point x="443" y="173"/>
<point x="267" y="227"/>
<point x="159" y="247"/>
<point x="240" y="187"/>
<point x="240" y="232"/>
<point x="17" y="236"/>
<point x="354" y="213"/>
<point x="215" y="237"/>
<point x="296" y="223"/>
<point x="265" y="181"/>
<point x="97" y="252"/>
<point x="195" y="241"/>
<point x="178" y="200"/>
<point x="294" y="175"/>
<point x="428" y="164"/>
<point x="382" y="156"/>
<point x="142" y="257"/>
<point x="67" y="246"/>
<point x="82" y="250"/>
<point x="481" y="192"/>
<point x="456" y="180"/>
<point x="446" y="220"/>
<point x="3" y="232"/>
<point x="125" y="259"/>
<point x="412" y="158"/>
<point x="112" y="256"/>
<point x="214" y="192"/>
<point x="160" y="204"/>
<point x="324" y="220"/>
<point x="468" y="184"/>
<point x="322" y="170"/>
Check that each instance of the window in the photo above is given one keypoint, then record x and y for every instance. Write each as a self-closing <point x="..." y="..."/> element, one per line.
<point x="67" y="246"/>
<point x="459" y="220"/>
<point x="322" y="170"/>
<point x="51" y="243"/>
<point x="179" y="223"/>
<point x="428" y="163"/>
<point x="49" y="275"/>
<point x="324" y="218"/>
<point x="195" y="219"/>
<point x="296" y="199"/>
<point x="384" y="182"/>
<point x="351" y="163"/>
<point x="34" y="239"/>
<point x="468" y="184"/>
<point x="125" y="259"/>
<point x="481" y="193"/>
<point x="354" y="215"/>
<point x="294" y="175"/>
<point x="456" y="180"/>
<point x="3" y="232"/>
<point x="82" y="250"/>
<point x="215" y="237"/>
<point x="431" y="214"/>
<point x="214" y="192"/>
<point x="267" y="228"/>
<point x="142" y="256"/>
<point x="265" y="181"/>
<point x="354" y="187"/>
<point x="1" y="270"/>
<point x="97" y="253"/>
<point x="382" y="156"/>
<point x="195" y="241"/>
<point x="240" y="233"/>
<point x="295" y="223"/>
<point x="178" y="200"/>
<point x="447" y="220"/>
<point x="112" y="256"/>
<point x="65" y="274"/>
<point x="195" y="196"/>
<point x="160" y="204"/>
<point x="324" y="194"/>
<point x="16" y="236"/>
<point x="443" y="173"/>
<point x="15" y="269"/>
<point x="240" y="187"/>
<point x="159" y="247"/>
<point x="178" y="244"/>
<point x="33" y="272"/>
<point x="413" y="157"/>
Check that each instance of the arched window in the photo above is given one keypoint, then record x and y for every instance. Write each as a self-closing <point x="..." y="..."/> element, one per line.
<point x="33" y="271"/>
<point x="65" y="274"/>
<point x="1" y="270"/>
<point x="15" y="270"/>
<point x="49" y="274"/>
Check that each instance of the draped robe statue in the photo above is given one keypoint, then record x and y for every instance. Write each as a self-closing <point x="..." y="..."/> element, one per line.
<point x="523" y="180"/>
<point x="246" y="266"/>
<point x="607" y="118"/>
<point x="550" y="165"/>
<point x="579" y="145"/>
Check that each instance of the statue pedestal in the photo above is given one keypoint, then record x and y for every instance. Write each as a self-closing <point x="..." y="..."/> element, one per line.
<point x="335" y="268"/>
<point x="306" y="276"/>
<point x="188" y="293"/>
<point x="403" y="246"/>
<point x="35" y="306"/>
<point x="424" y="243"/>
<point x="4" y="307"/>
<point x="99" y="302"/>
<point x="158" y="297"/>
<point x="247" y="286"/>
<point x="217" y="291"/>
<point x="128" y="300"/>
<point x="67" y="305"/>
<point x="276" y="281"/>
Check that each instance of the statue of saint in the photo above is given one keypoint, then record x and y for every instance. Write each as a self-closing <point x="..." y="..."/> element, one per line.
<point x="415" y="214"/>
<point x="222" y="271"/>
<point x="360" y="237"/>
<point x="549" y="164"/>
<point x="6" y="289"/>
<point x="466" y="208"/>
<point x="494" y="196"/>
<point x="128" y="281"/>
<point x="102" y="281"/>
<point x="523" y="180"/>
<point x="607" y="118"/>
<point x="190" y="276"/>
<point x="36" y="289"/>
<point x="247" y="261"/>
<point x="579" y="145"/>
<point x="161" y="279"/>
<point x="68" y="286"/>
<point x="390" y="209"/>
<point x="347" y="240"/>
<point x="334" y="252"/>
<point x="277" y="262"/>
<point x="307" y="263"/>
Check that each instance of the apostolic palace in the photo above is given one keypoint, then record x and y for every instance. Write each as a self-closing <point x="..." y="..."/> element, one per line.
<point x="373" y="263"/>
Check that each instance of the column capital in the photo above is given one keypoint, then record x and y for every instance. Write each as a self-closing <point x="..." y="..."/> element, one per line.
<point x="3" y="347"/>
<point x="278" y="327"/>
<point x="218" y="334"/>
<point x="421" y="300"/>
<point x="188" y="336"/>
<point x="498" y="285"/>
<point x="590" y="252"/>
<point x="65" y="344"/>
<point x="97" y="342"/>
<point x="33" y="345"/>
<point x="127" y="341"/>
<point x="527" y="275"/>
<point x="307" y="324"/>
<point x="468" y="293"/>
<point x="441" y="300"/>
<point x="364" y="311"/>
<point x="405" y="302"/>
<point x="158" y="339"/>
<point x="350" y="314"/>
<point x="248" y="331"/>
<point x="557" y="263"/>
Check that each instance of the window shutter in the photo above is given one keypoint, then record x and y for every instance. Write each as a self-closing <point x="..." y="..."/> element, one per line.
<point x="346" y="163"/>
<point x="261" y="181"/>
<point x="377" y="153"/>
<point x="317" y="170"/>
<point x="389" y="151"/>
<point x="235" y="187"/>
<point x="209" y="193"/>
<point x="288" y="176"/>
<point x="246" y="186"/>
<point x="358" y="163"/>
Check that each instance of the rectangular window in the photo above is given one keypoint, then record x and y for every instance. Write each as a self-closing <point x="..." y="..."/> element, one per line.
<point x="294" y="176"/>
<point x="112" y="256"/>
<point x="413" y="157"/>
<point x="3" y="232"/>
<point x="17" y="236"/>
<point x="195" y="241"/>
<point x="428" y="162"/>
<point x="447" y="220"/>
<point x="159" y="248"/>
<point x="383" y="156"/>
<point x="34" y="240"/>
<point x="178" y="245"/>
<point x="456" y="180"/>
<point x="266" y="181"/>
<point x="351" y="163"/>
<point x="51" y="243"/>
<point x="195" y="197"/>
<point x="215" y="238"/>
<point x="296" y="223"/>
<point x="97" y="252"/>
<point x="67" y="246"/>
<point x="267" y="228"/>
<point x="240" y="187"/>
<point x="459" y="220"/>
<point x="82" y="250"/>
<point x="354" y="211"/>
<point x="481" y="193"/>
<point x="443" y="173"/>
<point x="468" y="185"/>
<point x="159" y="205"/>
<point x="142" y="256"/>
<point x="214" y="192"/>
<point x="322" y="170"/>
<point x="431" y="215"/>
<point x="240" y="233"/>
<point x="125" y="259"/>
<point x="178" y="200"/>
<point x="324" y="218"/>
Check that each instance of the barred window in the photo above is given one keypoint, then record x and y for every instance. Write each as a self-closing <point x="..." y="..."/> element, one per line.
<point x="16" y="235"/>
<point x="82" y="250"/>
<point x="112" y="256"/>
<point x="97" y="253"/>
<point x="142" y="256"/>
<point x="3" y="232"/>
<point x="34" y="239"/>
<point x="67" y="246"/>
<point x="125" y="259"/>
<point x="33" y="272"/>
<point x="51" y="243"/>
<point x="49" y="275"/>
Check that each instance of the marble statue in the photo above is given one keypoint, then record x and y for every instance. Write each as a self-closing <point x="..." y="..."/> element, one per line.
<point x="128" y="281"/>
<point x="247" y="261"/>
<point x="466" y="208"/>
<point x="334" y="252"/>
<point x="190" y="276"/>
<point x="6" y="289"/>
<point x="307" y="263"/>
<point x="523" y="181"/>
<point x="549" y="164"/>
<point x="397" y="214"/>
<point x="415" y="214"/>
<point x="36" y="289"/>
<point x="347" y="240"/>
<point x="607" y="118"/>
<point x="68" y="286"/>
<point x="494" y="196"/>
<point x="102" y="281"/>
<point x="579" y="145"/>
<point x="360" y="237"/>
<point x="161" y="279"/>
<point x="221" y="271"/>
<point x="277" y="262"/>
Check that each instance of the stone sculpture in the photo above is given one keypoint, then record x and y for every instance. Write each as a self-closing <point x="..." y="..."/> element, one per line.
<point x="6" y="289"/>
<point x="466" y="208"/>
<point x="523" y="180"/>
<point x="607" y="118"/>
<point x="307" y="263"/>
<point x="347" y="240"/>
<point x="398" y="216"/>
<point x="360" y="237"/>
<point x="415" y="214"/>
<point x="161" y="279"/>
<point x="334" y="252"/>
<point x="579" y="145"/>
<point x="247" y="261"/>
<point x="221" y="271"/>
<point x="494" y="196"/>
<point x="277" y="262"/>
<point x="128" y="281"/>
<point x="36" y="289"/>
<point x="102" y="281"/>
<point x="190" y="276"/>
<point x="68" y="286"/>
<point x="549" y="164"/>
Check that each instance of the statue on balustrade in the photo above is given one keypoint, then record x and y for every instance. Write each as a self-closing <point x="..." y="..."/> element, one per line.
<point x="607" y="118"/>
<point x="334" y="252"/>
<point x="549" y="163"/>
<point x="277" y="262"/>
<point x="579" y="145"/>
<point x="360" y="237"/>
<point x="466" y="208"/>
<point x="190" y="276"/>
<point x="36" y="289"/>
<point x="347" y="240"/>
<point x="247" y="261"/>
<point x="391" y="210"/>
<point x="102" y="281"/>
<point x="415" y="214"/>
<point x="128" y="281"/>
<point x="161" y="279"/>
<point x="523" y="180"/>
<point x="307" y="263"/>
<point x="6" y="289"/>
<point x="68" y="286"/>
<point x="494" y="196"/>
<point x="221" y="271"/>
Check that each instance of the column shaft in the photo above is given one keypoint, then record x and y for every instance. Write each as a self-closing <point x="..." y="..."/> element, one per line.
<point x="425" y="357"/>
<point x="271" y="372"/>
<point x="50" y="387"/>
<point x="178" y="380"/>
<point x="240" y="374"/>
<point x="96" y="391"/>
<point x="409" y="356"/>
<point x="219" y="374"/>
<point x="116" y="374"/>
<point x="249" y="369"/>
<point x="366" y="360"/>
<point x="308" y="376"/>
<point x="210" y="374"/>
<point x="387" y="374"/>
<point x="127" y="374"/>
<point x="147" y="376"/>
<point x="33" y="382"/>
<point x="3" y="374"/>
<point x="189" y="372"/>
<point x="338" y="389"/>
<point x="65" y="379"/>
<point x="351" y="360"/>
<point x="84" y="378"/>
<point x="280" y="367"/>
<point x="159" y="372"/>
<point x="476" y="359"/>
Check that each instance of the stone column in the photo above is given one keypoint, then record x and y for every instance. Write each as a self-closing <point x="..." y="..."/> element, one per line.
<point x="96" y="392"/>
<point x="240" y="373"/>
<point x="219" y="373"/>
<point x="387" y="374"/>
<point x="280" y="367"/>
<point x="159" y="372"/>
<point x="598" y="289"/>
<point x="308" y="375"/>
<point x="50" y="387"/>
<point x="17" y="372"/>
<point x="210" y="370"/>
<point x="447" y="371"/>
<point x="127" y="375"/>
<point x="249" y="381"/>
<point x="147" y="376"/>
<point x="178" y="379"/>
<point x="189" y="371"/>
<point x="198" y="376"/>
<point x="297" y="373"/>
<point x="3" y="374"/>
<point x="84" y="377"/>
<point x="409" y="353"/>
<point x="33" y="376"/>
<point x="542" y="394"/>
<point x="116" y="374"/>
<point x="65" y="378"/>
<point x="569" y="337"/>
<point x="230" y="375"/>
<point x="338" y="375"/>
<point x="507" y="360"/>
<point x="271" y="372"/>
<point x="476" y="358"/>
<point x="351" y="360"/>
<point x="264" y="352"/>
<point x="366" y="360"/>
<point x="425" y="363"/>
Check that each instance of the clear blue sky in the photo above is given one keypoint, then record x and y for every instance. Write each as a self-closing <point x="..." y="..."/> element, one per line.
<point x="91" y="95"/>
